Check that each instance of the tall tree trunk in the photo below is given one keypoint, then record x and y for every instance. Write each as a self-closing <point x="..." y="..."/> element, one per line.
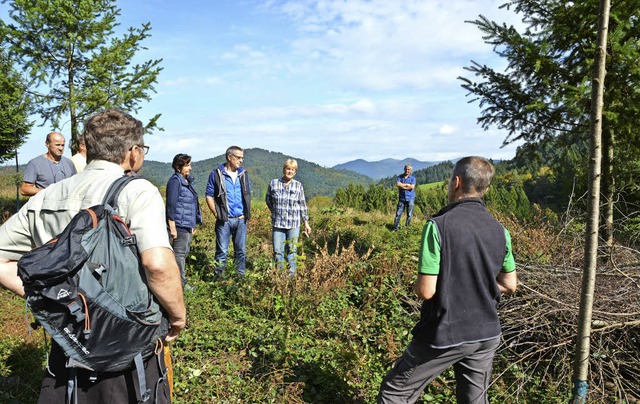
<point x="581" y="359"/>
<point x="609" y="190"/>
<point x="17" y="183"/>
<point x="72" y="109"/>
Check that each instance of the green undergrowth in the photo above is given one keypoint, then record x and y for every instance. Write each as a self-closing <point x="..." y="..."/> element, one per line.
<point x="327" y="335"/>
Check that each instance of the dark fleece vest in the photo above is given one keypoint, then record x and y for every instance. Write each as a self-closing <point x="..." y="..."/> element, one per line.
<point x="187" y="208"/>
<point x="472" y="252"/>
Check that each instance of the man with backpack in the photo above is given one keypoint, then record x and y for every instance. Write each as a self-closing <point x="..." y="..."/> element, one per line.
<point x="115" y="146"/>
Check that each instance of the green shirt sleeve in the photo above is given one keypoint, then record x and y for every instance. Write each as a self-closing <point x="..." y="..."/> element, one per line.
<point x="509" y="264"/>
<point x="429" y="259"/>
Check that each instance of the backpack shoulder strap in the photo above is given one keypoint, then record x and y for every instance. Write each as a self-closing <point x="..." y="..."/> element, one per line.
<point x="111" y="196"/>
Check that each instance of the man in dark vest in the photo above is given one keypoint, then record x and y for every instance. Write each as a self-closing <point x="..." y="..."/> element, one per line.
<point x="465" y="265"/>
<point x="228" y="196"/>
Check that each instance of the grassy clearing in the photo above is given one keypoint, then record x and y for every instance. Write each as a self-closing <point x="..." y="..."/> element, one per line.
<point x="432" y="185"/>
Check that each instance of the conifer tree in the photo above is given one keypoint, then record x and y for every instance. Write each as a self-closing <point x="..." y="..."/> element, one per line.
<point x="543" y="96"/>
<point x="15" y="107"/>
<point x="75" y="62"/>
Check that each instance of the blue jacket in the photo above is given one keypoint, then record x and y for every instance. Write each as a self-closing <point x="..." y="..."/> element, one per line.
<point x="182" y="202"/>
<point x="239" y="195"/>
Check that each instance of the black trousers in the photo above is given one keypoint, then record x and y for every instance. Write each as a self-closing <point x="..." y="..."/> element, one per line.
<point x="117" y="387"/>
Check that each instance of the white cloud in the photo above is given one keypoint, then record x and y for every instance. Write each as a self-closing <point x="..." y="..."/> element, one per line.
<point x="176" y="82"/>
<point x="324" y="80"/>
<point x="383" y="45"/>
<point x="213" y="80"/>
<point x="447" y="129"/>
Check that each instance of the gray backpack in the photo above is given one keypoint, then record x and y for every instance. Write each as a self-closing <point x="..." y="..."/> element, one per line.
<point x="88" y="289"/>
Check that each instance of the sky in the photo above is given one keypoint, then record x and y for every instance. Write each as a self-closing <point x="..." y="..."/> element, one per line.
<point x="328" y="81"/>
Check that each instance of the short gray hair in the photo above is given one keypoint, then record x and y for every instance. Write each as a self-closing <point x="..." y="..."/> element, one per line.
<point x="475" y="173"/>
<point x="109" y="134"/>
<point x="232" y="149"/>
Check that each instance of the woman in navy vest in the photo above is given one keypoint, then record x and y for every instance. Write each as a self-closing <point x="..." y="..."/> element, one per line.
<point x="183" y="211"/>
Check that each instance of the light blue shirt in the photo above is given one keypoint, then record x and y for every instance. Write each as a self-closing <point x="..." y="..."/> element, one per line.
<point x="406" y="194"/>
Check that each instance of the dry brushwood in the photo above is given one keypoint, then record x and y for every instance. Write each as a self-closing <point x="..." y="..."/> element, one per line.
<point x="539" y="330"/>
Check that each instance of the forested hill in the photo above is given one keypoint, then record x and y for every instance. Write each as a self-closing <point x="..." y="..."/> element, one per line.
<point x="263" y="166"/>
<point x="435" y="173"/>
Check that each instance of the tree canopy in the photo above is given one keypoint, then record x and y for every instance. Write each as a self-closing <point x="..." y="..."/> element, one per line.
<point x="76" y="64"/>
<point x="543" y="96"/>
<point x="15" y="107"/>
<point x="544" y="93"/>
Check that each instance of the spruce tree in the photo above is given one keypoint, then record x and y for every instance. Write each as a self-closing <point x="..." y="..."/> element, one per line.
<point x="75" y="62"/>
<point x="15" y="107"/>
<point x="544" y="94"/>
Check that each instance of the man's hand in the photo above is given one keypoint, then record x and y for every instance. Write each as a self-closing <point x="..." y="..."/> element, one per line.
<point x="212" y="206"/>
<point x="176" y="327"/>
<point x="507" y="281"/>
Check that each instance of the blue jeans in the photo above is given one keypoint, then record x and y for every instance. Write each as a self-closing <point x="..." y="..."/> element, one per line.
<point x="284" y="241"/>
<point x="233" y="228"/>
<point x="181" y="246"/>
<point x="400" y="209"/>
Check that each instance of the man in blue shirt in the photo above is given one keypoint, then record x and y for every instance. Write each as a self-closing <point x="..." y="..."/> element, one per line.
<point x="406" y="196"/>
<point x="228" y="196"/>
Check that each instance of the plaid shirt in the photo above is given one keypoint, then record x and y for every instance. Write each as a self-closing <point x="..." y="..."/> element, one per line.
<point x="287" y="204"/>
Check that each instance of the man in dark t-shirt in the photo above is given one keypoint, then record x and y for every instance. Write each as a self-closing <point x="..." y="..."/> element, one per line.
<point x="47" y="168"/>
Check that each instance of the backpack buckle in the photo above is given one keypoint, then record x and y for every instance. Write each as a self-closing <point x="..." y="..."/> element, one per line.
<point x="76" y="311"/>
<point x="129" y="241"/>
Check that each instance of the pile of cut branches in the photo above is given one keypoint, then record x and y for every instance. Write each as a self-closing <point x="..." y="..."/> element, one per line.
<point x="540" y="326"/>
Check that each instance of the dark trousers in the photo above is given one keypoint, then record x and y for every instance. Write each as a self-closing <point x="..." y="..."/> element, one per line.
<point x="181" y="247"/>
<point x="117" y="387"/>
<point x="419" y="365"/>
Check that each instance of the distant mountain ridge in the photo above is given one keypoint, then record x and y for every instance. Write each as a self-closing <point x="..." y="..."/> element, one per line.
<point x="383" y="168"/>
<point x="262" y="166"/>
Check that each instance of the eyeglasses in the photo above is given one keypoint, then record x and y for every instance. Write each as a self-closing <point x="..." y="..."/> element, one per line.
<point x="141" y="146"/>
<point x="238" y="157"/>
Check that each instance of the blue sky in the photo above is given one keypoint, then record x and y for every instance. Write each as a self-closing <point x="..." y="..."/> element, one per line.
<point x="328" y="81"/>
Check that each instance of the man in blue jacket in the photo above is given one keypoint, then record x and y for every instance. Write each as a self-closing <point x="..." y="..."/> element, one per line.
<point x="228" y="196"/>
<point x="465" y="264"/>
